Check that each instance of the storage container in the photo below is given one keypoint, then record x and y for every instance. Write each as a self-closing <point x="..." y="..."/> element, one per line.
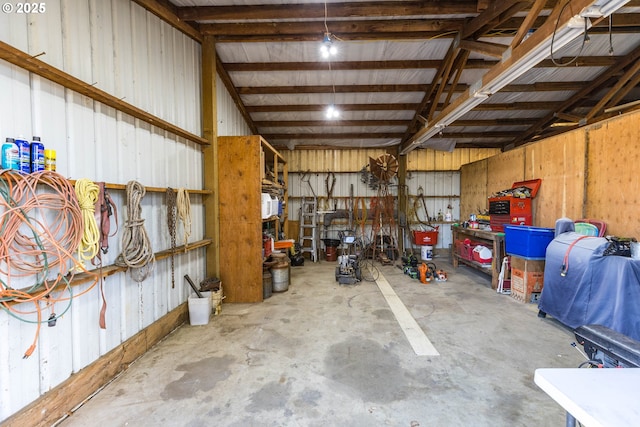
<point x="422" y="238"/>
<point x="526" y="241"/>
<point x="527" y="279"/>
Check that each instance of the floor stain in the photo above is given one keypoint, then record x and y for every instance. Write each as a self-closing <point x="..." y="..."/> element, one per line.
<point x="274" y="394"/>
<point x="366" y="367"/>
<point x="201" y="375"/>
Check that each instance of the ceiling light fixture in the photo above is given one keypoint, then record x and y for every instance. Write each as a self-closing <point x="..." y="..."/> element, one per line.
<point x="332" y="112"/>
<point x="327" y="48"/>
<point x="535" y="50"/>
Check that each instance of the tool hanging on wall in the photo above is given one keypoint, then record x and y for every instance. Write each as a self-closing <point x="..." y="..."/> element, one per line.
<point x="331" y="178"/>
<point x="105" y="208"/>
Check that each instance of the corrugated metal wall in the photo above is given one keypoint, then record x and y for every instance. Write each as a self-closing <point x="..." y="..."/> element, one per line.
<point x="122" y="49"/>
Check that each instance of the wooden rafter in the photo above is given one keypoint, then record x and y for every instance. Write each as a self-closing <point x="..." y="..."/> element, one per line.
<point x="627" y="77"/>
<point x="527" y="23"/>
<point x="595" y="86"/>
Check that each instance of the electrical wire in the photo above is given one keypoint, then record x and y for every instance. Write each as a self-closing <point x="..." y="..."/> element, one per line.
<point x="585" y="39"/>
<point x="136" y="254"/>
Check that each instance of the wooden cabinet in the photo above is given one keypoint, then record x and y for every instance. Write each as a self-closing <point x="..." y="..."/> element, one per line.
<point x="248" y="166"/>
<point x="493" y="240"/>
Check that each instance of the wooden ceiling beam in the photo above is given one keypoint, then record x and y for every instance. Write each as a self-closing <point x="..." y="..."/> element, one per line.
<point x="325" y="135"/>
<point x="613" y="92"/>
<point x="377" y="28"/>
<point x="348" y="65"/>
<point x="528" y="88"/>
<point x="334" y="10"/>
<point x="595" y="86"/>
<point x="169" y="13"/>
<point x="512" y="106"/>
<point x="458" y="123"/>
<point x="527" y="22"/>
<point x="474" y="28"/>
<point x="594" y="61"/>
<point x="486" y="48"/>
<point x="322" y="123"/>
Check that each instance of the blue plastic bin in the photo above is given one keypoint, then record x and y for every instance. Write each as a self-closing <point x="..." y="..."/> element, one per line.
<point x="526" y="241"/>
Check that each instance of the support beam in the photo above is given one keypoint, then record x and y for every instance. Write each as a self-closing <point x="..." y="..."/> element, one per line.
<point x="210" y="154"/>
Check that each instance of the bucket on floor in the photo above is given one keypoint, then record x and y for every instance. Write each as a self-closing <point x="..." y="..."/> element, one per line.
<point x="280" y="277"/>
<point x="199" y="308"/>
<point x="331" y="253"/>
<point x="426" y="253"/>
<point x="267" y="284"/>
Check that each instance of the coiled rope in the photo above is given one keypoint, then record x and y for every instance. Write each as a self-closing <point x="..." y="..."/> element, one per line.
<point x="41" y="227"/>
<point x="88" y="193"/>
<point x="183" y="205"/>
<point x="136" y="254"/>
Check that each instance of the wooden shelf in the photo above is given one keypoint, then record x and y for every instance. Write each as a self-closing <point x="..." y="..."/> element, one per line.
<point x="36" y="66"/>
<point x="110" y="270"/>
<point x="491" y="239"/>
<point x="111" y="186"/>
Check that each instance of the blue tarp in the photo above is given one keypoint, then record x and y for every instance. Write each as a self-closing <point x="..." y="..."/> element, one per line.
<point x="596" y="289"/>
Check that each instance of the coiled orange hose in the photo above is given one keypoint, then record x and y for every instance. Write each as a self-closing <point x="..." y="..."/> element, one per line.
<point x="41" y="227"/>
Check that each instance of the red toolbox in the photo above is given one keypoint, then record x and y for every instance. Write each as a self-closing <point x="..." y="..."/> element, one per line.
<point x="513" y="210"/>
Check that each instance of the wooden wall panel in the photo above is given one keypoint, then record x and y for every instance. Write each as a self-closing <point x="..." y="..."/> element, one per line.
<point x="504" y="170"/>
<point x="613" y="177"/>
<point x="473" y="187"/>
<point x="560" y="163"/>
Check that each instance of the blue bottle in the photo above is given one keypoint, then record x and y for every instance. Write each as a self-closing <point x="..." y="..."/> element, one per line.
<point x="10" y="155"/>
<point x="37" y="155"/>
<point x="23" y="155"/>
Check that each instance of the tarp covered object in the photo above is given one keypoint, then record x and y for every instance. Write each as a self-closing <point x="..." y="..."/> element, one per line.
<point x="596" y="289"/>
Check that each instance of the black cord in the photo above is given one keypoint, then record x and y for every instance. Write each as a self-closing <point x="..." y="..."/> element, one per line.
<point x="585" y="40"/>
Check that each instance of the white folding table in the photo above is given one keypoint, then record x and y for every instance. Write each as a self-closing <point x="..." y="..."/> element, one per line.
<point x="608" y="397"/>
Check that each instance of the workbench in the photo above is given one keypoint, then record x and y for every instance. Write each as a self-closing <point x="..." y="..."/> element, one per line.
<point x="493" y="240"/>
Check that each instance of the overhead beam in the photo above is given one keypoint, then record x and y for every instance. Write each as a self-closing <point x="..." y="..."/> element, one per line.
<point x="169" y="13"/>
<point x="376" y="123"/>
<point x="334" y="10"/>
<point x="535" y="87"/>
<point x="486" y="48"/>
<point x="592" y="61"/>
<point x="595" y="86"/>
<point x="340" y="28"/>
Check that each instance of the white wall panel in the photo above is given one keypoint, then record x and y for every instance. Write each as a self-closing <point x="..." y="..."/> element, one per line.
<point x="130" y="53"/>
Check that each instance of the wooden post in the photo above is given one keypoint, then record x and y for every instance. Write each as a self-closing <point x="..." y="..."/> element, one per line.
<point x="210" y="154"/>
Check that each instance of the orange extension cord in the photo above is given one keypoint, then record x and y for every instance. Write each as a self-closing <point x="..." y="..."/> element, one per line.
<point x="41" y="227"/>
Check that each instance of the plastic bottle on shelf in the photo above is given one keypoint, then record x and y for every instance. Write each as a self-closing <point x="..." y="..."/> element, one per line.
<point x="23" y="154"/>
<point x="10" y="155"/>
<point x="36" y="155"/>
<point x="439" y="217"/>
<point x="448" y="217"/>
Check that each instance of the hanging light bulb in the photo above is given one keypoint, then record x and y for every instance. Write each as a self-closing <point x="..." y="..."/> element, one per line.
<point x="332" y="112"/>
<point x="327" y="48"/>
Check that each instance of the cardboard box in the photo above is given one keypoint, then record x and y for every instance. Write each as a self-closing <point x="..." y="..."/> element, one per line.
<point x="527" y="279"/>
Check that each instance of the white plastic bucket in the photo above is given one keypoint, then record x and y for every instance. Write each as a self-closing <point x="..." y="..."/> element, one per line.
<point x="426" y="253"/>
<point x="199" y="309"/>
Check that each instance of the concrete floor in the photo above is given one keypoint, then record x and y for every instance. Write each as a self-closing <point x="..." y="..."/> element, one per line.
<point x="322" y="354"/>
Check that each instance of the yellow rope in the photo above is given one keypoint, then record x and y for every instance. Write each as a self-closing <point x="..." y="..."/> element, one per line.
<point x="183" y="206"/>
<point x="87" y="193"/>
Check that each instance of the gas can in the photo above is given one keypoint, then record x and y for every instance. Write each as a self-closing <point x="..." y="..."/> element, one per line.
<point x="37" y="155"/>
<point x="23" y="155"/>
<point x="10" y="155"/>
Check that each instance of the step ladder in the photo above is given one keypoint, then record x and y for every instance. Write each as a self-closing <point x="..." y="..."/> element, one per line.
<point x="308" y="235"/>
